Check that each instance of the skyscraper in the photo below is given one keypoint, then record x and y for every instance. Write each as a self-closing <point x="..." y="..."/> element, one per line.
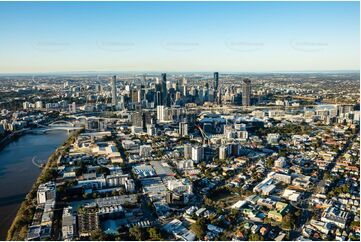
<point x="219" y="97"/>
<point x="135" y="96"/>
<point x="183" y="129"/>
<point x="164" y="90"/>
<point x="246" y="93"/>
<point x="160" y="113"/>
<point x="216" y="81"/>
<point x="114" y="90"/>
<point x="215" y="87"/>
<point x="137" y="119"/>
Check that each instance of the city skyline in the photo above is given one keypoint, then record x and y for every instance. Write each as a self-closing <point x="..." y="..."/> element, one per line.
<point x="180" y="121"/>
<point x="179" y="36"/>
<point x="163" y="157"/>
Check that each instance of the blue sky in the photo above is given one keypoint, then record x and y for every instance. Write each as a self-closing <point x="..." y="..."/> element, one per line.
<point x="179" y="36"/>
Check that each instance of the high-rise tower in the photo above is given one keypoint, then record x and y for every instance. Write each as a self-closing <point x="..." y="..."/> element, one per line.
<point x="164" y="90"/>
<point x="246" y="93"/>
<point x="114" y="90"/>
<point x="216" y="81"/>
<point x="215" y="87"/>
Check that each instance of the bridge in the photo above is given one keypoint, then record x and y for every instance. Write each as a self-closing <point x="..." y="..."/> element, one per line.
<point x="86" y="118"/>
<point x="61" y="123"/>
<point x="50" y="129"/>
<point x="56" y="126"/>
<point x="69" y="129"/>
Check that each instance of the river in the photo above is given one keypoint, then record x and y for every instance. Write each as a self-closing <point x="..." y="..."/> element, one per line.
<point x="18" y="173"/>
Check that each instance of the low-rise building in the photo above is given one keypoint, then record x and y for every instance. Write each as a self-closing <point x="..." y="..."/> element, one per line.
<point x="46" y="192"/>
<point x="176" y="228"/>
<point x="335" y="216"/>
<point x="68" y="228"/>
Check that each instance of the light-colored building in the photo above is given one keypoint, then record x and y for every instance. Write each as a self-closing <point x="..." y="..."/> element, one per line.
<point x="272" y="139"/>
<point x="145" y="150"/>
<point x="223" y="152"/>
<point x="280" y="162"/>
<point x="46" y="192"/>
<point x="130" y="185"/>
<point x="68" y="228"/>
<point x="183" y="129"/>
<point x="185" y="164"/>
<point x="197" y="154"/>
<point x="335" y="216"/>
<point x="39" y="104"/>
<point x="280" y="177"/>
<point x="179" y="231"/>
<point x="243" y="134"/>
<point x="113" y="86"/>
<point x="162" y="113"/>
<point x="151" y="129"/>
<point x="187" y="151"/>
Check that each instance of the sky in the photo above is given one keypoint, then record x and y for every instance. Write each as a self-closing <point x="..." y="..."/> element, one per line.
<point x="179" y="36"/>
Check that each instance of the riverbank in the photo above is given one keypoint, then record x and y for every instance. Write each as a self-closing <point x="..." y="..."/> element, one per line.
<point x="24" y="216"/>
<point x="10" y="137"/>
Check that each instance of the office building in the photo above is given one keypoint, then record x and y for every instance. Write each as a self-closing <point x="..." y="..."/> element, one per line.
<point x="68" y="224"/>
<point x="39" y="104"/>
<point x="216" y="81"/>
<point x="273" y="138"/>
<point x="137" y="119"/>
<point x="135" y="96"/>
<point x="151" y="129"/>
<point x="197" y="154"/>
<point x="160" y="113"/>
<point x="222" y="152"/>
<point x="187" y="151"/>
<point x="183" y="129"/>
<point x="164" y="90"/>
<point x="145" y="151"/>
<point x="46" y="192"/>
<point x="88" y="219"/>
<point x="72" y="107"/>
<point x="246" y="93"/>
<point x="114" y="90"/>
<point x="27" y="105"/>
<point x="216" y="89"/>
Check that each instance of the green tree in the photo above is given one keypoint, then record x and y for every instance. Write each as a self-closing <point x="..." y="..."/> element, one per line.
<point x="287" y="222"/>
<point x="154" y="234"/>
<point x="99" y="235"/>
<point x="269" y="163"/>
<point x="137" y="233"/>
<point x="199" y="228"/>
<point x="354" y="224"/>
<point x="103" y="170"/>
<point x="23" y="232"/>
<point x="255" y="237"/>
<point x="326" y="176"/>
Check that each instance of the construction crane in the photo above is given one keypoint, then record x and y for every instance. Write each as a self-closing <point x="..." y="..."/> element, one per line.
<point x="204" y="135"/>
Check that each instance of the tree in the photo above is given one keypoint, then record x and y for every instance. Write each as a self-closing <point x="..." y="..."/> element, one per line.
<point x="269" y="163"/>
<point x="287" y="222"/>
<point x="154" y="234"/>
<point x="255" y="237"/>
<point x="99" y="235"/>
<point x="199" y="228"/>
<point x="137" y="233"/>
<point x="208" y="201"/>
<point x="103" y="170"/>
<point x="23" y="232"/>
<point x="326" y="176"/>
<point x="354" y="224"/>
